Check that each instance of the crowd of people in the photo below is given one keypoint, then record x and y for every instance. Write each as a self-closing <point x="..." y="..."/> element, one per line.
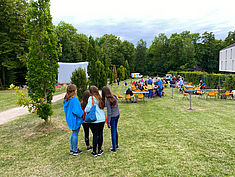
<point x="75" y="113"/>
<point x="153" y="86"/>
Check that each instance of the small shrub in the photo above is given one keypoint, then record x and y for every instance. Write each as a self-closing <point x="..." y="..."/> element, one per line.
<point x="80" y="80"/>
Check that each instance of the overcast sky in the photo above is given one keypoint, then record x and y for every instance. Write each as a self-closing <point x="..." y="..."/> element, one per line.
<point x="133" y="20"/>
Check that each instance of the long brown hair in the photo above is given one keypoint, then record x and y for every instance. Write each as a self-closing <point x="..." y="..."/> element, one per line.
<point x="95" y="92"/>
<point x="106" y="93"/>
<point x="85" y="97"/>
<point x="70" y="92"/>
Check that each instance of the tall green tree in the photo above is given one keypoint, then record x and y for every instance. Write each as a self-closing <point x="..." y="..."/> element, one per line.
<point x="128" y="51"/>
<point x="114" y="73"/>
<point x="101" y="76"/>
<point x="111" y="45"/>
<point x="74" y="46"/>
<point x="141" y="57"/>
<point x="92" y="57"/>
<point x="230" y="39"/>
<point x="12" y="40"/>
<point x="210" y="52"/>
<point x="158" y="55"/>
<point x="43" y="56"/>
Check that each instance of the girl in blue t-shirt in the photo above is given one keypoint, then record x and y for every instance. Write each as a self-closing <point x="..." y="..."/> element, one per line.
<point x="73" y="113"/>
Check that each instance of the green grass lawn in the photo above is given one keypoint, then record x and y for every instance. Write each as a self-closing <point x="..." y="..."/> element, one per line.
<point x="157" y="138"/>
<point x="8" y="98"/>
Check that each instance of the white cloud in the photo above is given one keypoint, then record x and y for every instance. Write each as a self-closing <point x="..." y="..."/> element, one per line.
<point x="173" y="15"/>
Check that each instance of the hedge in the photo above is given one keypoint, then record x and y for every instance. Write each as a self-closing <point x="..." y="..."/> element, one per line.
<point x="226" y="81"/>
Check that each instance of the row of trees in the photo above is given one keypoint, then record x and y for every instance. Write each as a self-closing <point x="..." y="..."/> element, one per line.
<point x="184" y="51"/>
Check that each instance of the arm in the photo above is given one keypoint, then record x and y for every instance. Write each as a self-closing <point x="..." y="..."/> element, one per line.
<point x="89" y="105"/>
<point x="108" y="113"/>
<point x="77" y="110"/>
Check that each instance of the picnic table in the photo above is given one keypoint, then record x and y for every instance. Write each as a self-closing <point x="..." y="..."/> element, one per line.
<point x="142" y="92"/>
<point x="203" y="90"/>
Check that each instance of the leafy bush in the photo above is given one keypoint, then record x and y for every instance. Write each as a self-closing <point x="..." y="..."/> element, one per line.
<point x="80" y="80"/>
<point x="226" y="81"/>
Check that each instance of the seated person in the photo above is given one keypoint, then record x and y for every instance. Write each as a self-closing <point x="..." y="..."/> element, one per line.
<point x="125" y="83"/>
<point x="203" y="85"/>
<point x="129" y="91"/>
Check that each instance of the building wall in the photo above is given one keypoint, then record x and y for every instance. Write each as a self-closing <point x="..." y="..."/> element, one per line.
<point x="227" y="59"/>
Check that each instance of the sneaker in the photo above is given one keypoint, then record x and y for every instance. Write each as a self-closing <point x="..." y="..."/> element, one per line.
<point x="112" y="150"/>
<point x="71" y="152"/>
<point x="100" y="152"/>
<point x="89" y="148"/>
<point x="117" y="147"/>
<point x="94" y="154"/>
<point x="78" y="152"/>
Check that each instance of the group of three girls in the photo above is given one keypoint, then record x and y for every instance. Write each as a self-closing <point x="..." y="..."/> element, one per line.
<point x="75" y="116"/>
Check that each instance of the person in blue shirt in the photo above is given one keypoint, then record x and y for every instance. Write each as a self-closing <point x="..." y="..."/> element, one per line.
<point x="97" y="126"/>
<point x="160" y="87"/>
<point x="73" y="113"/>
<point x="203" y="85"/>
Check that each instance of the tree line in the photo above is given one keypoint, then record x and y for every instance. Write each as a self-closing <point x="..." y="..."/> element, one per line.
<point x="183" y="51"/>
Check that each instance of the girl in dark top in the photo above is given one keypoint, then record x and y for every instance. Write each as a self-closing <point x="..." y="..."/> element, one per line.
<point x="85" y="125"/>
<point x="112" y="115"/>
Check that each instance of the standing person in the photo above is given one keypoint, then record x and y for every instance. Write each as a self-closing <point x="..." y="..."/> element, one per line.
<point x="98" y="125"/>
<point x="112" y="115"/>
<point x="118" y="81"/>
<point x="73" y="113"/>
<point x="160" y="87"/>
<point x="150" y="88"/>
<point x="86" y="126"/>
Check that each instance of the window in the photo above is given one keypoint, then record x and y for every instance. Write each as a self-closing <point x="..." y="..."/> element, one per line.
<point x="231" y="53"/>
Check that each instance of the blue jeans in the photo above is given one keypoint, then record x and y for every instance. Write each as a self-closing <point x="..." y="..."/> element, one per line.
<point x="160" y="92"/>
<point x="74" y="140"/>
<point x="150" y="93"/>
<point x="114" y="132"/>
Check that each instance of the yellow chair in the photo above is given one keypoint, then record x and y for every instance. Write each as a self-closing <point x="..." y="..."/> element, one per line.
<point x="140" y="96"/>
<point x="163" y="92"/>
<point x="226" y="94"/>
<point x="211" y="94"/>
<point x="133" y="88"/>
<point x="120" y="96"/>
<point x="185" y="94"/>
<point x="128" y="97"/>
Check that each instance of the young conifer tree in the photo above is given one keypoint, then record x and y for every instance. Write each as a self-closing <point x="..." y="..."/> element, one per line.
<point x="42" y="59"/>
<point x="114" y="74"/>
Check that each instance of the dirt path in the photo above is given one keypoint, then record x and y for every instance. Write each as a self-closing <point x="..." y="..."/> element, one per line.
<point x="14" y="113"/>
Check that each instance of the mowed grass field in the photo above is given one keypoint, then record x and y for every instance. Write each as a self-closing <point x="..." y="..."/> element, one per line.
<point x="8" y="98"/>
<point x="157" y="138"/>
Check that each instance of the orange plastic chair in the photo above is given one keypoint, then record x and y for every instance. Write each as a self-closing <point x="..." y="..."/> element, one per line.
<point x="190" y="83"/>
<point x="211" y="94"/>
<point x="128" y="97"/>
<point x="140" y="96"/>
<point x="226" y="94"/>
<point x="133" y="88"/>
<point x="163" y="92"/>
<point x="120" y="96"/>
<point x="185" y="94"/>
